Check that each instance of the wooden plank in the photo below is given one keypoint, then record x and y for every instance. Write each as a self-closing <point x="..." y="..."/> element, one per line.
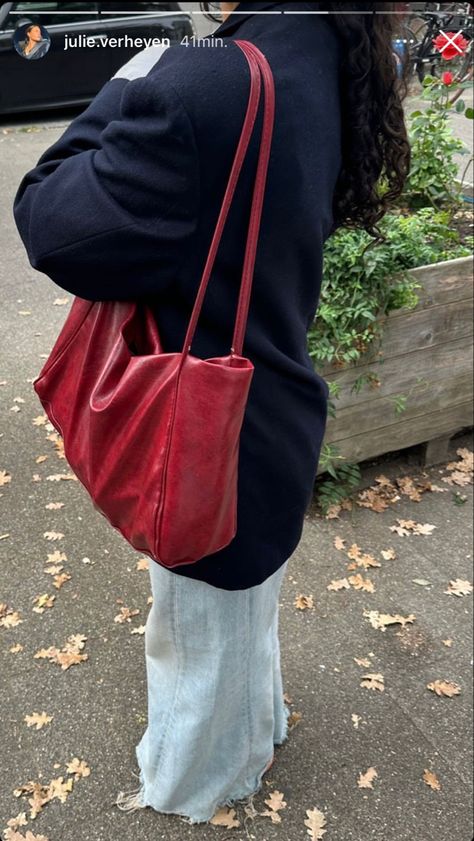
<point x="406" y="433"/>
<point x="443" y="283"/>
<point x="379" y="413"/>
<point x="399" y="374"/>
<point x="419" y="329"/>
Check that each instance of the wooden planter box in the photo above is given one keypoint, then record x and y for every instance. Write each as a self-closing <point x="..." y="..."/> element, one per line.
<point x="426" y="355"/>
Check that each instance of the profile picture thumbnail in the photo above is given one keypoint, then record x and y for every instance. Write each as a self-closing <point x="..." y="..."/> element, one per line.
<point x="32" y="40"/>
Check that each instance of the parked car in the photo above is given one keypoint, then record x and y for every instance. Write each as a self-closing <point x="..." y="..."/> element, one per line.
<point x="73" y="76"/>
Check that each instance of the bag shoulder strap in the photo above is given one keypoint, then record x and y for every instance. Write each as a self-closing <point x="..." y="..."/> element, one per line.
<point x="259" y="67"/>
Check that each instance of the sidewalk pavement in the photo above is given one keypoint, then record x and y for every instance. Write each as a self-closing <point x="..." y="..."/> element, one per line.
<point x="380" y="758"/>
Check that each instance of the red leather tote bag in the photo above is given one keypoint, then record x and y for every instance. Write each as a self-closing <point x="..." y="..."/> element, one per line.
<point x="154" y="436"/>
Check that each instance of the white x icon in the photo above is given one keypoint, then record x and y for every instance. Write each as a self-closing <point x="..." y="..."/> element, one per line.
<point x="450" y="41"/>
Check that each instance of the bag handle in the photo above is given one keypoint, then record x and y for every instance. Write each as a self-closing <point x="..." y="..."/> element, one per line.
<point x="257" y="65"/>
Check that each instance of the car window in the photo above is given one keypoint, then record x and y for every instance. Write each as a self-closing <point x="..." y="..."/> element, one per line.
<point x="50" y="13"/>
<point x="118" y="9"/>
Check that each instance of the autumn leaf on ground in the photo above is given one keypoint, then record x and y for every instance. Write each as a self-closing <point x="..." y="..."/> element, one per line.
<point x="5" y="478"/>
<point x="408" y="527"/>
<point x="360" y="583"/>
<point x="365" y="780"/>
<point x="448" y="643"/>
<point x="459" y="587"/>
<point x="366" y="561"/>
<point x="462" y="470"/>
<point x="68" y="656"/>
<point x="17" y="836"/>
<point x="362" y="661"/>
<point x="339" y="584"/>
<point x="38" y="720"/>
<point x="373" y="681"/>
<point x="53" y="535"/>
<point x="53" y="506"/>
<point x="61" y="477"/>
<point x="315" y="823"/>
<point x="60" y="302"/>
<point x="431" y="779"/>
<point x="293" y="719"/>
<point x="140" y="629"/>
<point x="381" y="620"/>
<point x="142" y="563"/>
<point x="275" y="802"/>
<point x="126" y="614"/>
<point x="40" y="420"/>
<point x="355" y="719"/>
<point x="43" y="794"/>
<point x="339" y="542"/>
<point x="40" y="459"/>
<point x="354" y="552"/>
<point x="61" y="579"/>
<point x="20" y="820"/>
<point x="225" y="817"/>
<point x="56" y="557"/>
<point x="388" y="554"/>
<point x="78" y="767"/>
<point x="444" y="687"/>
<point x="16" y="648"/>
<point x="9" y="618"/>
<point x="303" y="602"/>
<point x="42" y="602"/>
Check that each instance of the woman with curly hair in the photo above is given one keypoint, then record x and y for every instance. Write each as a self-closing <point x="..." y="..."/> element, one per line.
<point x="123" y="206"/>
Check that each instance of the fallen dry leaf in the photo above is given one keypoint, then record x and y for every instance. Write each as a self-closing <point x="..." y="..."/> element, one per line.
<point x="303" y="602"/>
<point x="444" y="687"/>
<point x="339" y="542"/>
<point x="68" y="656"/>
<point x="53" y="535"/>
<point x="17" y="836"/>
<point x="315" y="823"/>
<point x="459" y="587"/>
<point x="61" y="579"/>
<point x="16" y="648"/>
<point x="9" y="618"/>
<point x="408" y="527"/>
<point x="142" y="563"/>
<point x="362" y="661"/>
<point x="381" y="620"/>
<point x="275" y="803"/>
<point x="78" y="767"/>
<point x="373" y="681"/>
<point x="53" y="506"/>
<point x="293" y="719"/>
<point x="339" y="584"/>
<point x="360" y="583"/>
<point x="388" y="554"/>
<point x="38" y="720"/>
<point x="140" y="629"/>
<point x="40" y="420"/>
<point x="56" y="557"/>
<point x="5" y="478"/>
<point x="225" y="817"/>
<point x="355" y="720"/>
<point x="20" y="820"/>
<point x="42" y="602"/>
<point x="365" y="780"/>
<point x="126" y="614"/>
<point x="431" y="780"/>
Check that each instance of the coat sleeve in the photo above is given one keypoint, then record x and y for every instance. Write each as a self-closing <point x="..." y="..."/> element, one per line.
<point x="108" y="211"/>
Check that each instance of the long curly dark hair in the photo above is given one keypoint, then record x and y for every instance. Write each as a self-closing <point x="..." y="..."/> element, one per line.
<point x="374" y="138"/>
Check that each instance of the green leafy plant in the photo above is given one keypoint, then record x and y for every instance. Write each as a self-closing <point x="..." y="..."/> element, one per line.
<point x="433" y="170"/>
<point x="360" y="288"/>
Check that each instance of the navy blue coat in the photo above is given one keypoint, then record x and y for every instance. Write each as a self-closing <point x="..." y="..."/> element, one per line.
<point x="124" y="204"/>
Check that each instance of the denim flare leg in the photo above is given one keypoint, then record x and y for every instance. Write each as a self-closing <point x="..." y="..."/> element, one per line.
<point x="215" y="694"/>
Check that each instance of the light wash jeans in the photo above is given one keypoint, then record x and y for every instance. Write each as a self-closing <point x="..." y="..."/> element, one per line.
<point x="215" y="695"/>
